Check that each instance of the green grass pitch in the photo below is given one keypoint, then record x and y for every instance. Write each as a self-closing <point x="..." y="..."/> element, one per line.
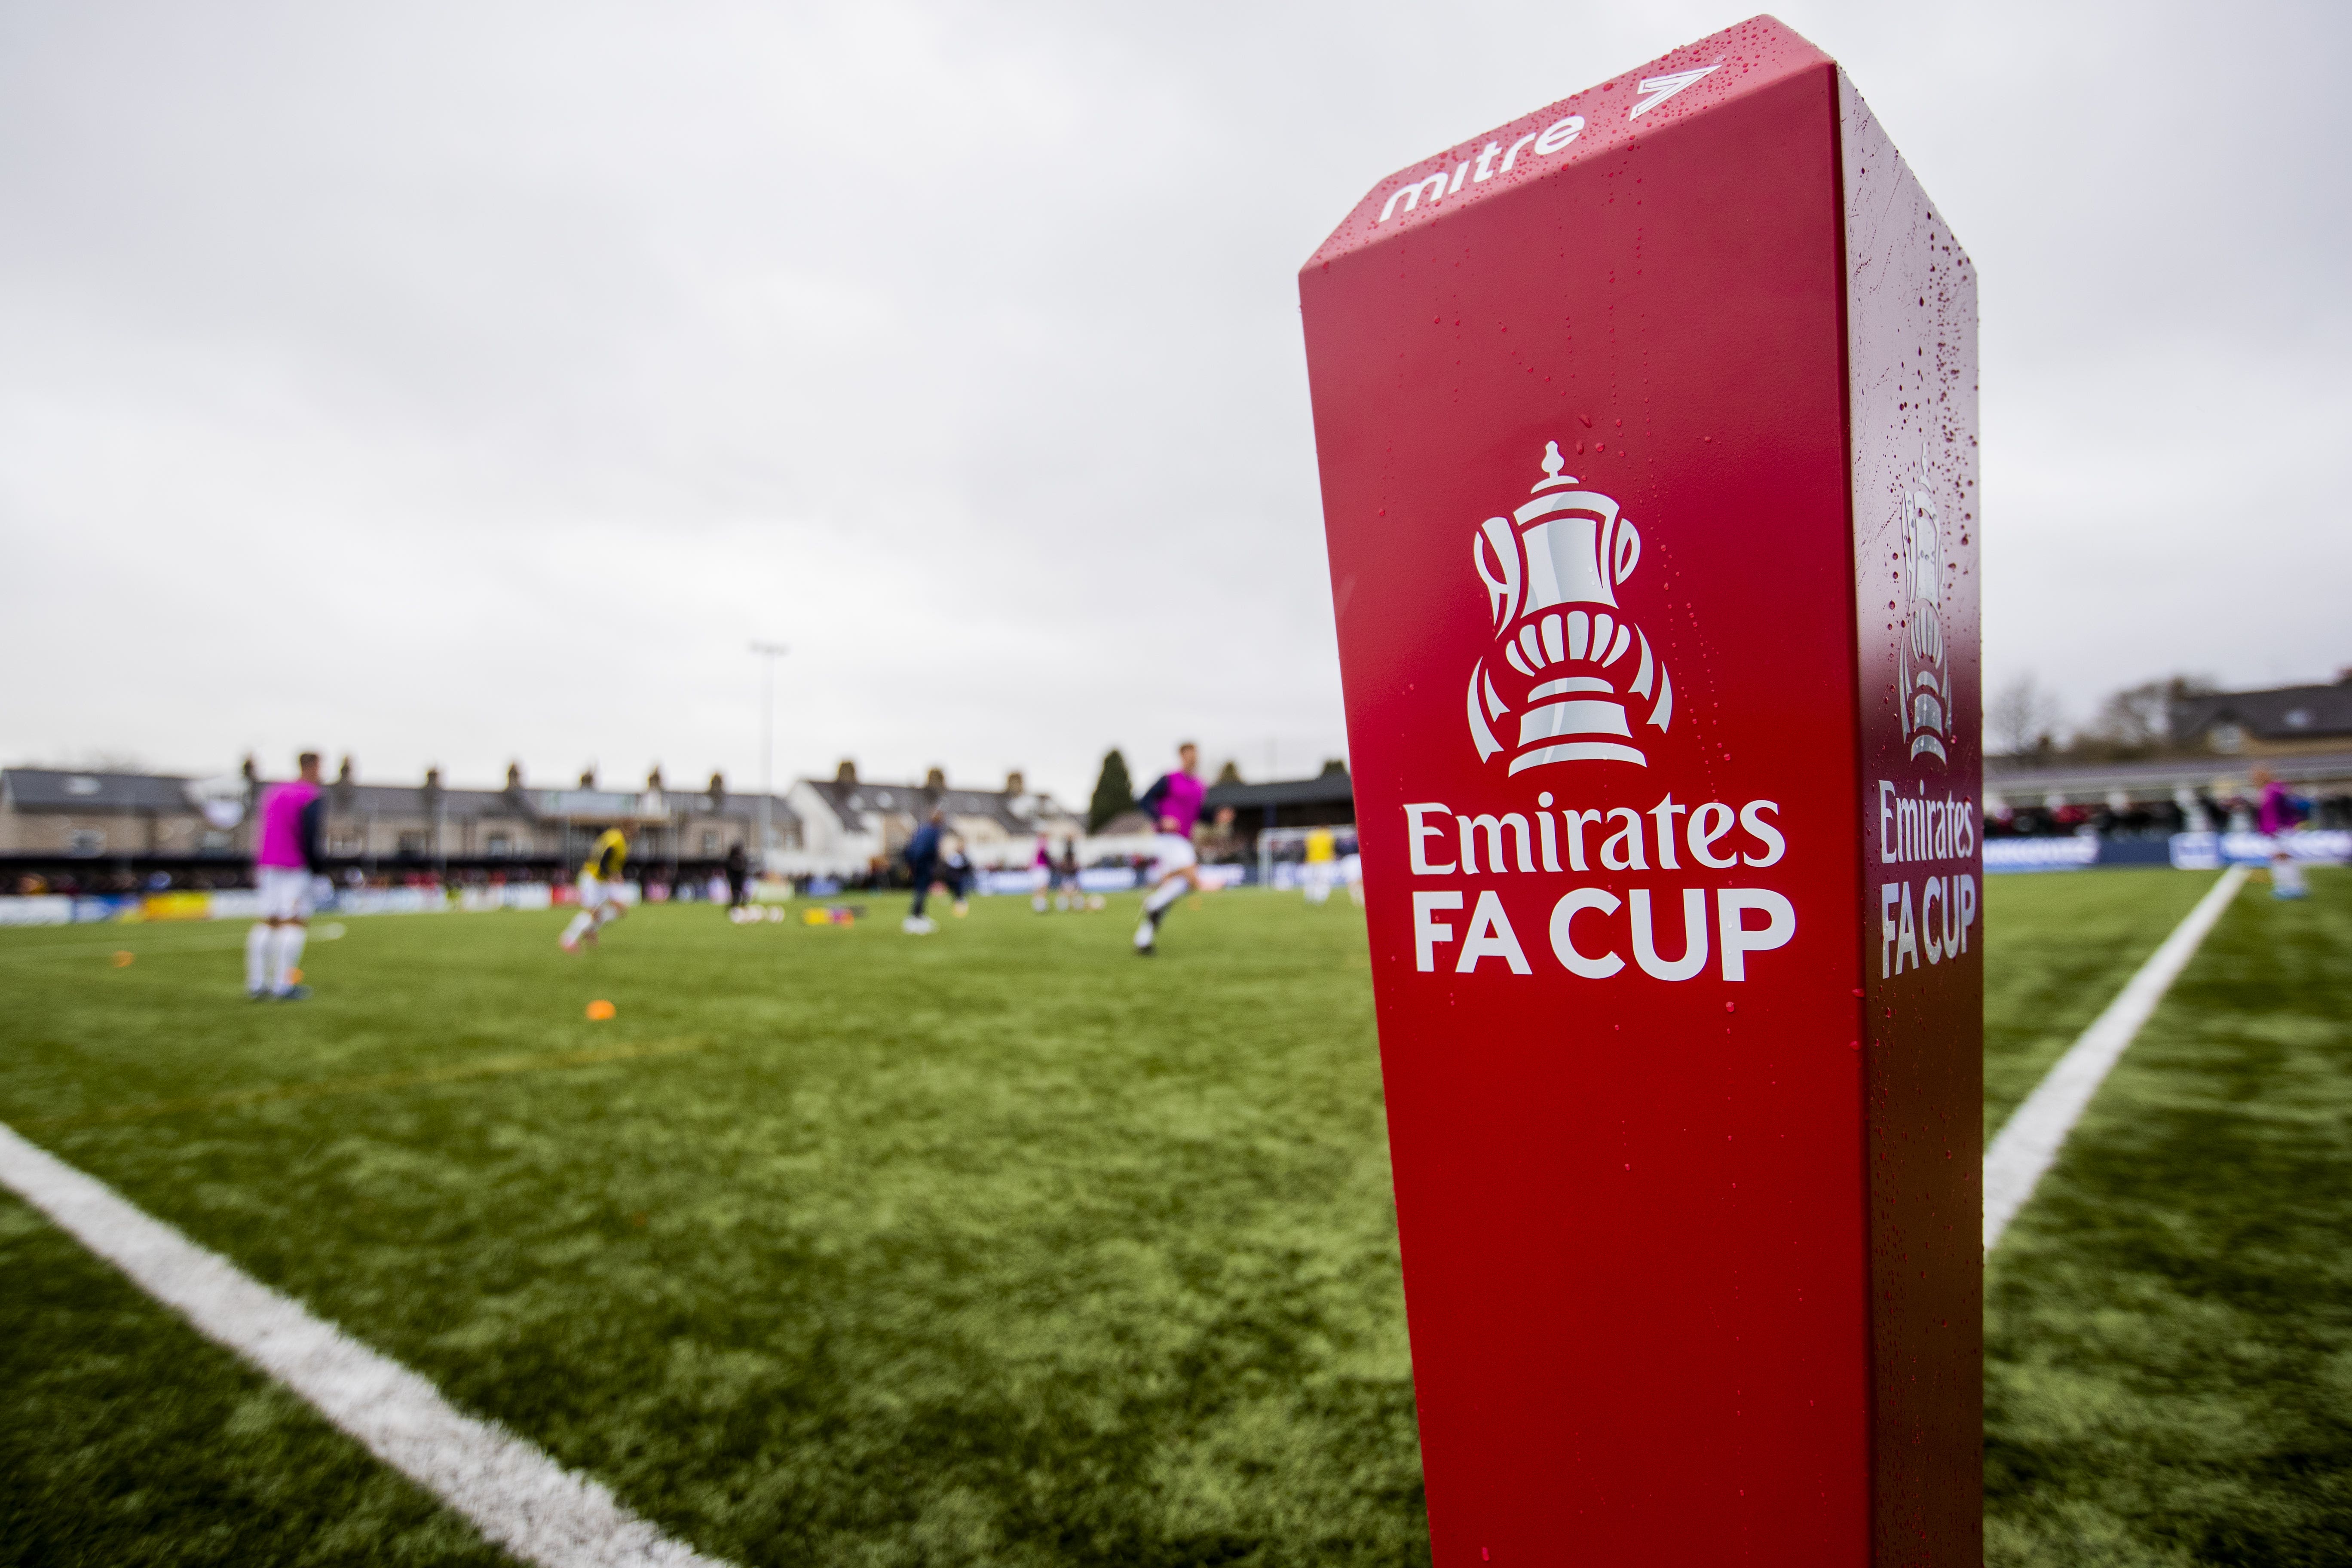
<point x="1002" y="1246"/>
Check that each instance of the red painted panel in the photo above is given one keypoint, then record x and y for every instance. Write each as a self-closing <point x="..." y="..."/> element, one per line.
<point x="1911" y="316"/>
<point x="1581" y="428"/>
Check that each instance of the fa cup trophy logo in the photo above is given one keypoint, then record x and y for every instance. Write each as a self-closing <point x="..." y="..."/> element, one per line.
<point x="1552" y="569"/>
<point x="1927" y="682"/>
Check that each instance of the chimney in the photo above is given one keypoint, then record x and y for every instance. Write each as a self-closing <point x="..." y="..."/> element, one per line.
<point x="717" y="786"/>
<point x="344" y="777"/>
<point x="1014" y="783"/>
<point x="936" y="778"/>
<point x="251" y="774"/>
<point x="588" y="776"/>
<point x="847" y="772"/>
<point x="514" y="777"/>
<point x="433" y="780"/>
<point x="653" y="780"/>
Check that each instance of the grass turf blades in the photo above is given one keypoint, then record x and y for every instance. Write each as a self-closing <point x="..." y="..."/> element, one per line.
<point x="989" y="1248"/>
<point x="2169" y="1366"/>
<point x="1003" y="1247"/>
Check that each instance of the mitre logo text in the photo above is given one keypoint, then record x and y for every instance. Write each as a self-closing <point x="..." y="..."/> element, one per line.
<point x="1591" y="928"/>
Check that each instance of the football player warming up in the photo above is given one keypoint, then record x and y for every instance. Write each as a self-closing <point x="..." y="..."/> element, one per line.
<point x="285" y="858"/>
<point x="923" y="854"/>
<point x="1173" y="802"/>
<point x="600" y="882"/>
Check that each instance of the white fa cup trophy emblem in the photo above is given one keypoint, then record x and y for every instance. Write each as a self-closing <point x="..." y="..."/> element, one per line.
<point x="1571" y="664"/>
<point x="1927" y="682"/>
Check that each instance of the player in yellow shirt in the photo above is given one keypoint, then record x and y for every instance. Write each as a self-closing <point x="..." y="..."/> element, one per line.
<point x="1322" y="863"/>
<point x="599" y="883"/>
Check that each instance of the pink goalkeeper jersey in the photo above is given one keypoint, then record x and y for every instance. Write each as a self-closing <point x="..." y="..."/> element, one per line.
<point x="277" y="836"/>
<point x="1180" y="797"/>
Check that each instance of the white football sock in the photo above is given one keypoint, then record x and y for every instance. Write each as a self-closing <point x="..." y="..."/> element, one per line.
<point x="579" y="926"/>
<point x="257" y="955"/>
<point x="288" y="956"/>
<point x="1164" y="895"/>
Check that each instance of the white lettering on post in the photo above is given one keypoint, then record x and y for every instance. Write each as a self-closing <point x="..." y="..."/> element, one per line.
<point x="1646" y="945"/>
<point x="1490" y="936"/>
<point x="1707" y="824"/>
<point x="1576" y="821"/>
<point x="1751" y="818"/>
<point x="1665" y="812"/>
<point x="1411" y="195"/>
<point x="1557" y="136"/>
<point x="1887" y="929"/>
<point x="1426" y="932"/>
<point x="1493" y="826"/>
<point x="1563" y="936"/>
<point x="1731" y="905"/>
<point x="1417" y="830"/>
<point x="1621" y="850"/>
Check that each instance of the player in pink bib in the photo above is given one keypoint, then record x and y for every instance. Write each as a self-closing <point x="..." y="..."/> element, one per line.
<point x="1173" y="802"/>
<point x="286" y="856"/>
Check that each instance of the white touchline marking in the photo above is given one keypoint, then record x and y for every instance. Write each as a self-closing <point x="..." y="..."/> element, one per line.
<point x="2029" y="1142"/>
<point x="516" y="1495"/>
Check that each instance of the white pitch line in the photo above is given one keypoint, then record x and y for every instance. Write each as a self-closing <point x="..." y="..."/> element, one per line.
<point x="516" y="1495"/>
<point x="2029" y="1140"/>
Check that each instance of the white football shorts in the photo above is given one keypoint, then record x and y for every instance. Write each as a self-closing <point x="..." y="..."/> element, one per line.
<point x="1171" y="853"/>
<point x="285" y="892"/>
<point x="593" y="893"/>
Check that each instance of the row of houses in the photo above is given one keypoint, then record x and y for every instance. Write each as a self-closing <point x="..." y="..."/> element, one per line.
<point x="2301" y="735"/>
<point x="78" y="823"/>
<point x="97" y="828"/>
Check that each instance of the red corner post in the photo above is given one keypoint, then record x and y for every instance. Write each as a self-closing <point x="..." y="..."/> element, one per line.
<point x="1648" y="436"/>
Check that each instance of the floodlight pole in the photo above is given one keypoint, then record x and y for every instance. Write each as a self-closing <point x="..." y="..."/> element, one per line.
<point x="769" y="653"/>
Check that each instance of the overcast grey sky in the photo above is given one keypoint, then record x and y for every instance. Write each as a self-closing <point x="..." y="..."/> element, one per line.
<point x="455" y="384"/>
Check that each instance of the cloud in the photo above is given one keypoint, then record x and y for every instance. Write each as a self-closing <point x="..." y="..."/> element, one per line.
<point x="459" y="384"/>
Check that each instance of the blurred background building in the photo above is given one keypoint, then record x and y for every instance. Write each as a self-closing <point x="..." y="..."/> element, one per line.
<point x="114" y="831"/>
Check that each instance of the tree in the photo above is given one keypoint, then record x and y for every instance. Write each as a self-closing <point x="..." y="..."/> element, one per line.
<point x="1231" y="773"/>
<point x="1114" y="792"/>
<point x="2021" y="717"/>
<point x="2138" y="718"/>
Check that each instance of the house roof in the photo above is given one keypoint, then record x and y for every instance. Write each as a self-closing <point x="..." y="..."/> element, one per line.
<point x="851" y="803"/>
<point x="59" y="789"/>
<point x="2018" y="781"/>
<point x="1334" y="788"/>
<point x="549" y="804"/>
<point x="2281" y="713"/>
